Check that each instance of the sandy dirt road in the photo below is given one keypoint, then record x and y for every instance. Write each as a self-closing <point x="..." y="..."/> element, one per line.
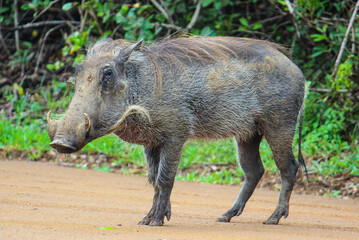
<point x="42" y="201"/>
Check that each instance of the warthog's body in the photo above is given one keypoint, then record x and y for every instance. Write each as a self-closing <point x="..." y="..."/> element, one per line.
<point x="160" y="96"/>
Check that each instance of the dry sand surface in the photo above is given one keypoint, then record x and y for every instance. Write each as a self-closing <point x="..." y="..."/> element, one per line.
<point x="44" y="201"/>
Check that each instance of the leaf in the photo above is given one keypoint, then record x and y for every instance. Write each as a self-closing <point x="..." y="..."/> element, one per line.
<point x="4" y="9"/>
<point x="67" y="6"/>
<point x="318" y="37"/>
<point x="206" y="31"/>
<point x="257" y="25"/>
<point x="244" y="22"/>
<point x="206" y="3"/>
<point x="19" y="89"/>
<point x="24" y="7"/>
<point x="124" y="9"/>
<point x="27" y="44"/>
<point x="217" y="5"/>
<point x="291" y="28"/>
<point x="146" y="7"/>
<point x="316" y="54"/>
<point x="50" y="66"/>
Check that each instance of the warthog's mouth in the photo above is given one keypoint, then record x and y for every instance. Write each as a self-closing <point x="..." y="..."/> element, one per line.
<point x="62" y="147"/>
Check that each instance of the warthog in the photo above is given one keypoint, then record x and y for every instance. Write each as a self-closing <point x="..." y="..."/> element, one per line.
<point x="161" y="95"/>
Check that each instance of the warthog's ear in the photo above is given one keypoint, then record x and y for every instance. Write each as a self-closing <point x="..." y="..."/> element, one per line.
<point x="124" y="54"/>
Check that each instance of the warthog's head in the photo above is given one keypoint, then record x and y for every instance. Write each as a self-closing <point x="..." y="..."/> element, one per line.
<point x="100" y="99"/>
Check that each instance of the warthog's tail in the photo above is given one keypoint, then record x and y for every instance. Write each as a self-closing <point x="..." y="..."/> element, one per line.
<point x="300" y="156"/>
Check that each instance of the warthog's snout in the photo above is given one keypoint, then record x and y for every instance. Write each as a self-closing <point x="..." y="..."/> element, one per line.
<point x="62" y="147"/>
<point x="69" y="134"/>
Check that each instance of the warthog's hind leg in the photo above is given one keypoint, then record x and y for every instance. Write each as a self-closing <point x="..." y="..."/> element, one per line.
<point x="250" y="161"/>
<point x="281" y="144"/>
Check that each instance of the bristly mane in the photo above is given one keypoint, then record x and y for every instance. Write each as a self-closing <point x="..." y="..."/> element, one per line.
<point x="185" y="51"/>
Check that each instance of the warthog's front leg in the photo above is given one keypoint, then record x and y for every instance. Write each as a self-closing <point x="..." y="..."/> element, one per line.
<point x="163" y="162"/>
<point x="153" y="159"/>
<point x="148" y="218"/>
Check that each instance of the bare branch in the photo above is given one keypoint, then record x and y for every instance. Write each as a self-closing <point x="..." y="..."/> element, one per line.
<point x="45" y="23"/>
<point x="170" y="19"/>
<point x="42" y="12"/>
<point x="43" y="45"/>
<point x="291" y="10"/>
<point x="4" y="44"/>
<point x="273" y="18"/>
<point x="293" y="44"/>
<point x="163" y="11"/>
<point x="250" y="32"/>
<point x="337" y="62"/>
<point x="171" y="26"/>
<point x="16" y="23"/>
<point x="83" y="19"/>
<point x="353" y="39"/>
<point x="115" y="30"/>
<point x="1" y="37"/>
<point x="277" y="27"/>
<point x="326" y="90"/>
<point x="93" y="15"/>
<point x="194" y="17"/>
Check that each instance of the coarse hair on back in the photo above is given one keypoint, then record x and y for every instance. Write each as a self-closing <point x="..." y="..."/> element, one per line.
<point x="184" y="51"/>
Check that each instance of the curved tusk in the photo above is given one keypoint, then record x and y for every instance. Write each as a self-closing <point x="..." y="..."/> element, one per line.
<point x="49" y="117"/>
<point x="88" y="122"/>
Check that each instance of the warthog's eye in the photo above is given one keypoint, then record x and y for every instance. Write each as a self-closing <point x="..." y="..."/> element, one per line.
<point x="107" y="77"/>
<point x="107" y="73"/>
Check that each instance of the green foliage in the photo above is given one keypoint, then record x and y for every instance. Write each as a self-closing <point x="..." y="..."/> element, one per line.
<point x="111" y="145"/>
<point x="21" y="57"/>
<point x="68" y="6"/>
<point x="74" y="48"/>
<point x="56" y="66"/>
<point x="135" y="25"/>
<point x="327" y="119"/>
<point x="104" y="168"/>
<point x="334" y="193"/>
<point x="81" y="166"/>
<point x="36" y="5"/>
<point x="28" y="137"/>
<point x="224" y="176"/>
<point x="26" y="130"/>
<point x="338" y="164"/>
<point x="344" y="76"/>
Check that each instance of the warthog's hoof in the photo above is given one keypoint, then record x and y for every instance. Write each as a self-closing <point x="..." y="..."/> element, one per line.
<point x="277" y="215"/>
<point x="224" y="218"/>
<point x="144" y="222"/>
<point x="156" y="223"/>
<point x="271" y="221"/>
